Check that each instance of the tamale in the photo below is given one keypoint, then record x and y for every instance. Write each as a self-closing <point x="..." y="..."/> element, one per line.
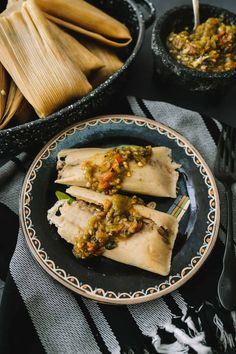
<point x="3" y="89"/>
<point x="153" y="249"/>
<point x="111" y="61"/>
<point x="10" y="98"/>
<point x="14" y="101"/>
<point x="47" y="64"/>
<point x="86" y="19"/>
<point x="24" y="113"/>
<point x="158" y="177"/>
<point x="88" y="62"/>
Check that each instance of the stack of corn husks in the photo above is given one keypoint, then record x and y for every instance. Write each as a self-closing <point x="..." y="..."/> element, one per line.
<point x="43" y="64"/>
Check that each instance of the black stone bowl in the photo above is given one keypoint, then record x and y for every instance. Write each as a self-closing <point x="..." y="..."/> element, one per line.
<point x="169" y="69"/>
<point x="136" y="15"/>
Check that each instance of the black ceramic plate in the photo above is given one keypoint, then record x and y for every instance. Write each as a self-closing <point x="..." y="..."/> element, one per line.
<point x="102" y="279"/>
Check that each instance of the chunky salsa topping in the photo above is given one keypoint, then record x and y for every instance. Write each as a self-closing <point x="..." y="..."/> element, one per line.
<point x="108" y="176"/>
<point x="211" y="47"/>
<point x="117" y="220"/>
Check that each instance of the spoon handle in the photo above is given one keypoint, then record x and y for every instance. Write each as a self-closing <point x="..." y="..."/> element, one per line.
<point x="196" y="13"/>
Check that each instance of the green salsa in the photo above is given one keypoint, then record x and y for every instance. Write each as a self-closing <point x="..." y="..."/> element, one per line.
<point x="211" y="47"/>
<point x="116" y="220"/>
<point x="108" y="176"/>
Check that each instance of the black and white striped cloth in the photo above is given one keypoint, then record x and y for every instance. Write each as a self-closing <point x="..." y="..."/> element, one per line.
<point x="39" y="315"/>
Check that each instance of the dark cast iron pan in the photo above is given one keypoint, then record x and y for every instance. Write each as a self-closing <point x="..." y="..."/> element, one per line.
<point x="137" y="16"/>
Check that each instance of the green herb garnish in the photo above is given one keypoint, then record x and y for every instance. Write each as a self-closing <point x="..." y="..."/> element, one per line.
<point x="64" y="196"/>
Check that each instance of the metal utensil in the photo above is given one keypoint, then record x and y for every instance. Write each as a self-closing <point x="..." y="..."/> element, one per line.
<point x="225" y="172"/>
<point x="196" y="13"/>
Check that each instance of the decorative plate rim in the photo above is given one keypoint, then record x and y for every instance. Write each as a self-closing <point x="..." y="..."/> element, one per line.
<point x="99" y="294"/>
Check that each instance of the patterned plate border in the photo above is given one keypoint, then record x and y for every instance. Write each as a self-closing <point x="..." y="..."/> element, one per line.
<point x="99" y="294"/>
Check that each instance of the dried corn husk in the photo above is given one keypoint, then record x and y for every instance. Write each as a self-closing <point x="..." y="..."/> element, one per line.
<point x="111" y="61"/>
<point x="25" y="113"/>
<point x="47" y="64"/>
<point x="10" y="98"/>
<point x="82" y="17"/>
<point x="13" y="2"/>
<point x="14" y="100"/>
<point x="88" y="62"/>
<point x="3" y="89"/>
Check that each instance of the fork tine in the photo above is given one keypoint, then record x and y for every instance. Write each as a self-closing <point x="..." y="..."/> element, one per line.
<point x="234" y="139"/>
<point x="220" y="148"/>
<point x="219" y="153"/>
<point x="225" y="163"/>
<point x="233" y="149"/>
<point x="224" y="146"/>
<point x="228" y="147"/>
<point x="229" y="142"/>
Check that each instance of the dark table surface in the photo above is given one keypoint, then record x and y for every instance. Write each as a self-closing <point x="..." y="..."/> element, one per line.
<point x="18" y="329"/>
<point x="142" y="82"/>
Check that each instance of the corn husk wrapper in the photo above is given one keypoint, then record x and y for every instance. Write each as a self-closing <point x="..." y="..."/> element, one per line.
<point x="13" y="2"/>
<point x="82" y="17"/>
<point x="47" y="64"/>
<point x="111" y="61"/>
<point x="14" y="101"/>
<point x="25" y="113"/>
<point x="3" y="89"/>
<point x="10" y="98"/>
<point x="88" y="62"/>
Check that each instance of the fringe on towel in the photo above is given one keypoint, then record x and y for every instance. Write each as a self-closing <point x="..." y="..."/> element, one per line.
<point x="193" y="336"/>
<point x="226" y="339"/>
<point x="182" y="343"/>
